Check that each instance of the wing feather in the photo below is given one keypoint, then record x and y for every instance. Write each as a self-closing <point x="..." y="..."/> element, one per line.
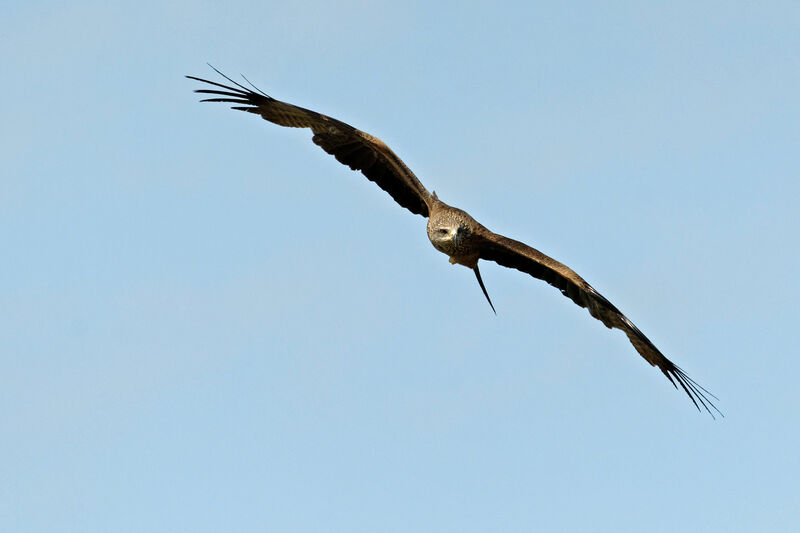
<point x="350" y="146"/>
<point x="514" y="254"/>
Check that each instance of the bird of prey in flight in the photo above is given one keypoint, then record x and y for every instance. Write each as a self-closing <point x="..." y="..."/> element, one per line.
<point x="451" y="231"/>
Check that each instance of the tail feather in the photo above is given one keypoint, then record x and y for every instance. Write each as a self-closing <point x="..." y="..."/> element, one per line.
<point x="483" y="288"/>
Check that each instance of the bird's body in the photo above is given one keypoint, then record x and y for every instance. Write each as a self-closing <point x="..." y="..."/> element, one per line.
<point x="452" y="231"/>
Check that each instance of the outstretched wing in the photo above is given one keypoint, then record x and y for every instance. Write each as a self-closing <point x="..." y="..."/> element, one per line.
<point x="351" y="146"/>
<point x="514" y="254"/>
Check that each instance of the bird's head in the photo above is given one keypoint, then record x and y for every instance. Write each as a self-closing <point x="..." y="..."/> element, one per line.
<point x="446" y="233"/>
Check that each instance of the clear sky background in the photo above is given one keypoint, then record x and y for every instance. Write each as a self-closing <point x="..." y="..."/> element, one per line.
<point x="208" y="324"/>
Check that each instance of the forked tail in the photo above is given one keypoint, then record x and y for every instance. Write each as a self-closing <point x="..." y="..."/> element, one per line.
<point x="483" y="288"/>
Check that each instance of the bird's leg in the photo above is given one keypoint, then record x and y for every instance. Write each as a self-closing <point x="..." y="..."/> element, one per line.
<point x="483" y="288"/>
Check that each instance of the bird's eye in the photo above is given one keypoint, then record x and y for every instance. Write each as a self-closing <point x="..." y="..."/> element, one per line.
<point x="443" y="231"/>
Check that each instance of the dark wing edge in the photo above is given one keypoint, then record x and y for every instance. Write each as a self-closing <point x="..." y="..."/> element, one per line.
<point x="350" y="146"/>
<point x="514" y="254"/>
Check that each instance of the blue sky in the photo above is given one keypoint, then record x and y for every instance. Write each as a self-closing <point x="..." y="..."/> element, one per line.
<point x="208" y="324"/>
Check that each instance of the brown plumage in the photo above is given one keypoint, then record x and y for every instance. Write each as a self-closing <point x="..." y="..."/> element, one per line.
<point x="450" y="230"/>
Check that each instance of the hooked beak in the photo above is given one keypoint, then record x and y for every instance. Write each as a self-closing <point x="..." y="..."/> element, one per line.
<point x="455" y="235"/>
